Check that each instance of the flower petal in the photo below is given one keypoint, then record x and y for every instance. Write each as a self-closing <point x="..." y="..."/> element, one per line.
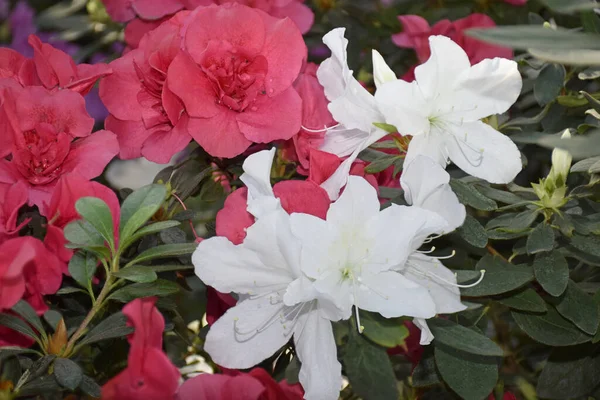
<point x="257" y="178"/>
<point x="424" y="270"/>
<point x="220" y="135"/>
<point x="355" y="206"/>
<point x="426" y="185"/>
<point x="316" y="238"/>
<point x="403" y="105"/>
<point x="382" y="73"/>
<point x="392" y="295"/>
<point x="483" y="152"/>
<point x="438" y="75"/>
<point x="320" y="372"/>
<point x="485" y="89"/>
<point x="342" y="142"/>
<point x="258" y="335"/>
<point x="333" y="72"/>
<point x="426" y="334"/>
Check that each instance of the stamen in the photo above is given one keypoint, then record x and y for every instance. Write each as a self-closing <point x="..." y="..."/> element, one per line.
<point x="440" y="279"/>
<point x="427" y="251"/>
<point x="325" y="129"/>
<point x="479" y="158"/>
<point x="266" y="324"/>
<point x="445" y="257"/>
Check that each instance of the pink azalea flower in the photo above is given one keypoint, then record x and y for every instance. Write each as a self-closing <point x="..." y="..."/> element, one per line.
<point x="44" y="125"/>
<point x="235" y="80"/>
<point x="147" y="117"/>
<point x="315" y="117"/>
<point x="149" y="375"/>
<point x="12" y="198"/>
<point x="255" y="385"/>
<point x="416" y="33"/>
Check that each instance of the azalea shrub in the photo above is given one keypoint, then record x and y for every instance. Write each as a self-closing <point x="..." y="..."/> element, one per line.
<point x="289" y="199"/>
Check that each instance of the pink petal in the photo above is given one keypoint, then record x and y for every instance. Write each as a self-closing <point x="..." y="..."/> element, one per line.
<point x="155" y="9"/>
<point x="300" y="13"/>
<point x="148" y="322"/>
<point x="119" y="10"/>
<point x="233" y="219"/>
<point x="220" y="135"/>
<point x="87" y="76"/>
<point x="119" y="90"/>
<point x="10" y="63"/>
<point x="274" y="118"/>
<point x="302" y="197"/>
<point x="137" y="28"/>
<point x="130" y="134"/>
<point x="203" y="387"/>
<point x="54" y="67"/>
<point x="89" y="156"/>
<point x="161" y="146"/>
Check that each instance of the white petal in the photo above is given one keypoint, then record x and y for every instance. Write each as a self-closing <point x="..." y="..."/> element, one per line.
<point x="333" y="71"/>
<point x="489" y="87"/>
<point x="332" y="286"/>
<point x="392" y="295"/>
<point x="321" y="372"/>
<point x="316" y="237"/>
<point x="230" y="268"/>
<point x="339" y="178"/>
<point x="257" y="177"/>
<point x="356" y="108"/>
<point x="483" y="152"/>
<point x="271" y="238"/>
<point x="355" y="206"/>
<point x="403" y="105"/>
<point x="244" y="350"/>
<point x="303" y="290"/>
<point x="343" y="142"/>
<point x="426" y="185"/>
<point x="426" y="335"/>
<point x="438" y="75"/>
<point x="430" y="145"/>
<point x="430" y="273"/>
<point x="382" y="73"/>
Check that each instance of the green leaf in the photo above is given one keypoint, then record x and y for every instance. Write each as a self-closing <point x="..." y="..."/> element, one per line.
<point x="139" y="207"/>
<point x="386" y="127"/>
<point x="500" y="277"/>
<point x="550" y="328"/>
<point x="586" y="244"/>
<point x="69" y="290"/>
<point x="514" y="222"/>
<point x="425" y="373"/>
<point x="28" y="313"/>
<point x="549" y="83"/>
<point x="470" y="196"/>
<point x="165" y="250"/>
<point x="112" y="327"/>
<point x="97" y="213"/>
<point x="173" y="235"/>
<point x="381" y="164"/>
<point x="524" y="300"/>
<point x="473" y="232"/>
<point x="540" y="239"/>
<point x="571" y="6"/>
<point x="44" y="384"/>
<point x="579" y="307"/>
<point x="164" y="268"/>
<point x="472" y="377"/>
<point x="159" y="287"/>
<point x="552" y="272"/>
<point x="369" y="369"/>
<point x="137" y="273"/>
<point x="525" y="37"/>
<point x="591" y="100"/>
<point x="386" y="332"/>
<point x="83" y="234"/>
<point x="9" y="351"/>
<point x="150" y="229"/>
<point x="67" y="373"/>
<point x="499" y="195"/>
<point x="82" y="268"/>
<point x="90" y="387"/>
<point x="462" y="338"/>
<point x="570" y="373"/>
<point x="17" y="324"/>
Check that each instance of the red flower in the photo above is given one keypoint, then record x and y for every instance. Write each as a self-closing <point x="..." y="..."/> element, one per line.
<point x="295" y="196"/>
<point x="12" y="198"/>
<point x="27" y="270"/>
<point x="255" y="385"/>
<point x="60" y="210"/>
<point x="50" y="67"/>
<point x="126" y="10"/>
<point x="216" y="304"/>
<point x="323" y="165"/>
<point x="149" y="375"/>
<point x="417" y="31"/>
<point x="236" y="78"/>
<point x="44" y="124"/>
<point x="505" y="396"/>
<point x="148" y="119"/>
<point x="315" y="116"/>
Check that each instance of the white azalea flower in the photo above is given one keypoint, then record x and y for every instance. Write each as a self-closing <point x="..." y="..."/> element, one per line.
<point x="257" y="178"/>
<point x="351" y="105"/>
<point x="426" y="185"/>
<point x="260" y="270"/>
<point x="442" y="109"/>
<point x="367" y="258"/>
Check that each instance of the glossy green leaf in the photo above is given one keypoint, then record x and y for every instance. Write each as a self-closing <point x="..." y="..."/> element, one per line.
<point x="524" y="300"/>
<point x="550" y="328"/>
<point x="131" y="292"/>
<point x="28" y="313"/>
<point x="540" y="239"/>
<point x="386" y="332"/>
<point x="67" y="373"/>
<point x="17" y="324"/>
<point x="549" y="83"/>
<point x="83" y="234"/>
<point x="98" y="214"/>
<point x="137" y="273"/>
<point x="164" y="251"/>
<point x="470" y="196"/>
<point x="500" y="277"/>
<point x="139" y="207"/>
<point x="579" y="308"/>
<point x="114" y="326"/>
<point x="82" y="268"/>
<point x="552" y="272"/>
<point x="537" y="37"/>
<point x="473" y="232"/>
<point x="155" y="227"/>
<point x="462" y="338"/>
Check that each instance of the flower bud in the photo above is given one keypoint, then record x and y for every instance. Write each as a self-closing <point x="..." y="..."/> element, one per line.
<point x="561" y="163"/>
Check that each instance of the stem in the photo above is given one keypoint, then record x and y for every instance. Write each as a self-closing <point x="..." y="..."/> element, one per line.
<point x="494" y="252"/>
<point x="95" y="308"/>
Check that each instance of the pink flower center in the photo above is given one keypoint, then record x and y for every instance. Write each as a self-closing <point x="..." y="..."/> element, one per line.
<point x="237" y="79"/>
<point x="41" y="154"/>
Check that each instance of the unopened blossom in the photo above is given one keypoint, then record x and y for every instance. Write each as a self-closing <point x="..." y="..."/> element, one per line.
<point x="365" y="258"/>
<point x="351" y="105"/>
<point x="443" y="107"/>
<point x="561" y="162"/>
